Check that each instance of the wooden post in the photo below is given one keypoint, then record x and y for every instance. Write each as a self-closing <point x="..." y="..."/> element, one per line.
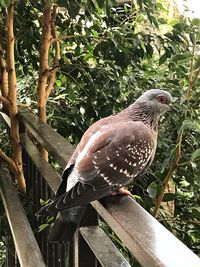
<point x="80" y="255"/>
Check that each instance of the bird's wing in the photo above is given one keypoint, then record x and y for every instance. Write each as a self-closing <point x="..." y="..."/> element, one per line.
<point x="70" y="165"/>
<point x="117" y="153"/>
<point x="111" y="158"/>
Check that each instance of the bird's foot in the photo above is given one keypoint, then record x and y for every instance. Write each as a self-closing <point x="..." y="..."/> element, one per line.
<point x="122" y="191"/>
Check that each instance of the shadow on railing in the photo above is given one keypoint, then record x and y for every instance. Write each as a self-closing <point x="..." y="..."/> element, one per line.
<point x="150" y="243"/>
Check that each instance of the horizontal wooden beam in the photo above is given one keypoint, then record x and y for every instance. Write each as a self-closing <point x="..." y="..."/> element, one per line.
<point x="149" y="241"/>
<point x="54" y="143"/>
<point x="49" y="174"/>
<point x="104" y="249"/>
<point x="27" y="249"/>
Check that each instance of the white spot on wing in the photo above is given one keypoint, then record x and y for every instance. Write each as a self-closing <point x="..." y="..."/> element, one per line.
<point x="87" y="146"/>
<point x="125" y="172"/>
<point x="72" y="179"/>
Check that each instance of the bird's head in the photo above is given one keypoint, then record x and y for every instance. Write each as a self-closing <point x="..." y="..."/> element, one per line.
<point x="159" y="101"/>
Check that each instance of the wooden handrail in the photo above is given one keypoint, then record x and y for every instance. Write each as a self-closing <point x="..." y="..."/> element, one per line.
<point x="150" y="242"/>
<point x="53" y="179"/>
<point x="54" y="143"/>
<point x="27" y="249"/>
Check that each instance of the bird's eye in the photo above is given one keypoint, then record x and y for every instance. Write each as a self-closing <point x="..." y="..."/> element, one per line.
<point x="162" y="99"/>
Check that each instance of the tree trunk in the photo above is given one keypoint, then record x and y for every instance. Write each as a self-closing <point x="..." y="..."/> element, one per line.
<point x="44" y="66"/>
<point x="12" y="97"/>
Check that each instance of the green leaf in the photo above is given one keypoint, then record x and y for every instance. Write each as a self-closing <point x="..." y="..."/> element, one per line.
<point x="193" y="164"/>
<point x="5" y="3"/>
<point x="163" y="58"/>
<point x="188" y="124"/>
<point x="149" y="49"/>
<point x="42" y="227"/>
<point x="195" y="22"/>
<point x="137" y="197"/>
<point x="58" y="83"/>
<point x="168" y="197"/>
<point x="197" y="125"/>
<point x="44" y="202"/>
<point x="50" y="219"/>
<point x="180" y="57"/>
<point x="195" y="154"/>
<point x="162" y="21"/>
<point x="192" y="38"/>
<point x="196" y="213"/>
<point x="82" y="110"/>
<point x="197" y="63"/>
<point x="152" y="190"/>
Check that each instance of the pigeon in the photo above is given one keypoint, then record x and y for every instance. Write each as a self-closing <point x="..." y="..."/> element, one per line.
<point x="112" y="153"/>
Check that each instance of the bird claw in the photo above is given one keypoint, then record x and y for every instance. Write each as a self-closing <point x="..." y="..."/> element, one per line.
<point x="122" y="191"/>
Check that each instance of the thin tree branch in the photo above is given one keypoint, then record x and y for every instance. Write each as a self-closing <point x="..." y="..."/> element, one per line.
<point x="175" y="163"/>
<point x="4" y="80"/>
<point x="53" y="68"/>
<point x="180" y="221"/>
<point x="10" y="162"/>
<point x="5" y="102"/>
<point x="191" y="81"/>
<point x="188" y="162"/>
<point x="169" y="174"/>
<point x="197" y="72"/>
<point x="62" y="38"/>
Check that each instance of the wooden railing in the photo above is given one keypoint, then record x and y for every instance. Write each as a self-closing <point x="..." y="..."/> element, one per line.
<point x="150" y="242"/>
<point x="22" y="233"/>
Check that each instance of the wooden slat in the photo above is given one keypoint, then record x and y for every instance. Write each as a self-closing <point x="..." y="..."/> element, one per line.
<point x="48" y="173"/>
<point x="104" y="249"/>
<point x="86" y="257"/>
<point x="26" y="246"/>
<point x="80" y="253"/>
<point x="149" y="241"/>
<point x="54" y="143"/>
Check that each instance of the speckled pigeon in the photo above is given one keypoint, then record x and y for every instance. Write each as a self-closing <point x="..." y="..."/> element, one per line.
<point x="112" y="152"/>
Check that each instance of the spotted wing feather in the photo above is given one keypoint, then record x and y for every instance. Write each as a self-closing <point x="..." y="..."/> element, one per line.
<point x="130" y="148"/>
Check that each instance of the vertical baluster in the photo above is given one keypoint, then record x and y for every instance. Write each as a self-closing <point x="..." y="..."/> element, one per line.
<point x="63" y="250"/>
<point x="80" y="255"/>
<point x="55" y="254"/>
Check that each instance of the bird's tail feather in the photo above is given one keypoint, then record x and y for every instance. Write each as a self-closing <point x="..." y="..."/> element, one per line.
<point x="66" y="223"/>
<point x="72" y="198"/>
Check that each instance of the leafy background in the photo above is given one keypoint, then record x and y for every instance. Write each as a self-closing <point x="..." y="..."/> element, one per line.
<point x="110" y="54"/>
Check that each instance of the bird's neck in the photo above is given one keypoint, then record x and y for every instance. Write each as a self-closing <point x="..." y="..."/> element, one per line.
<point x="139" y="111"/>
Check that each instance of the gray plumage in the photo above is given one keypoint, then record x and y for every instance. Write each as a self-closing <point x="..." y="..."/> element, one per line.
<point x="112" y="152"/>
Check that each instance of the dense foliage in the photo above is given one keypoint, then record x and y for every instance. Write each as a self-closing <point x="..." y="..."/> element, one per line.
<point x="109" y="55"/>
